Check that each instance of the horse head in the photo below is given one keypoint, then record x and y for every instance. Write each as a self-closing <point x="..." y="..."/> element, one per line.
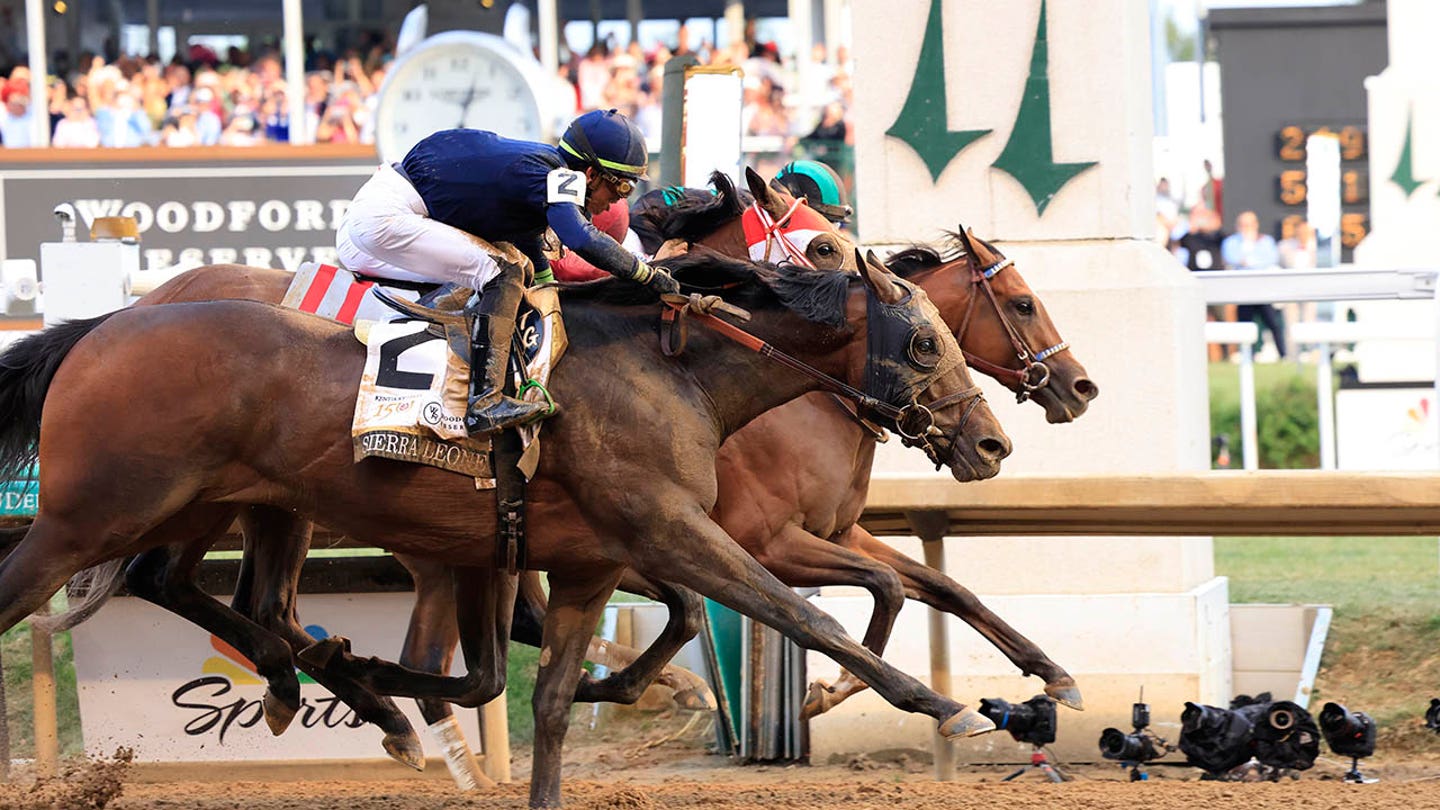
<point x="1001" y="324"/>
<point x="914" y="364"/>
<point x="798" y="232"/>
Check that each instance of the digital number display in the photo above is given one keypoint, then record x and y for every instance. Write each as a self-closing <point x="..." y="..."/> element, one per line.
<point x="1291" y="184"/>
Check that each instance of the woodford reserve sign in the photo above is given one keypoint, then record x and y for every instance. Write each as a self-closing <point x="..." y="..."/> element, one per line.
<point x="266" y="206"/>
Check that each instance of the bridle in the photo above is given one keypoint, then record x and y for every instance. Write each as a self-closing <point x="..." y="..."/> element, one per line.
<point x="1034" y="374"/>
<point x="777" y="235"/>
<point x="914" y="422"/>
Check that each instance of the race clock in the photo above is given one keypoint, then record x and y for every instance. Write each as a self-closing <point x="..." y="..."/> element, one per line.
<point x="459" y="79"/>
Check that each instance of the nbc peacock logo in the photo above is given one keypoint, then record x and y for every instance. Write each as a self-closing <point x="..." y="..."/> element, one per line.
<point x="224" y="700"/>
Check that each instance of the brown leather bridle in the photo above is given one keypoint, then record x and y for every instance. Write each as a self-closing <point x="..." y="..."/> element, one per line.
<point x="1033" y="374"/>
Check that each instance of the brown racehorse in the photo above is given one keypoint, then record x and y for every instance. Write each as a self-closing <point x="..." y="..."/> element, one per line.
<point x="160" y="418"/>
<point x="781" y="512"/>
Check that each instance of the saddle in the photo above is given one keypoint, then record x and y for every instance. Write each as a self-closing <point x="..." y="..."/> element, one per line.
<point x="413" y="392"/>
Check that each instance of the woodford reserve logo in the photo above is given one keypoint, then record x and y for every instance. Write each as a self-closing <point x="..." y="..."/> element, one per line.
<point x="210" y="218"/>
<point x="215" y="707"/>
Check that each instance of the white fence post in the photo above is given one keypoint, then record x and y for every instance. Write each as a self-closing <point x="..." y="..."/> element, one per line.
<point x="1244" y="334"/>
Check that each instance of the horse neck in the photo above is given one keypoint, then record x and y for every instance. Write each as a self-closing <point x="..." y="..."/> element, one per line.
<point x="733" y="383"/>
<point x="950" y="288"/>
<point x="728" y="240"/>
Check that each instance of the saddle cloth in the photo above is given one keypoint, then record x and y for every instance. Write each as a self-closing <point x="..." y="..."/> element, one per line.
<point x="416" y="383"/>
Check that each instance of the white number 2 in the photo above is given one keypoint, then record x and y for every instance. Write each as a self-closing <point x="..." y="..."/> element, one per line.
<point x="565" y="186"/>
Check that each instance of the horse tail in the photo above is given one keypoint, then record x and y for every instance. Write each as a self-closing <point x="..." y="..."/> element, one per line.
<point x="87" y="592"/>
<point x="26" y="369"/>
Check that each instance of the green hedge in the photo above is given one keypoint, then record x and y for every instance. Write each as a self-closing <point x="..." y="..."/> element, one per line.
<point x="1287" y="421"/>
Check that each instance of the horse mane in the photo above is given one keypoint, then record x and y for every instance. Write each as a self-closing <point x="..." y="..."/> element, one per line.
<point x="691" y="219"/>
<point x="920" y="257"/>
<point x="816" y="297"/>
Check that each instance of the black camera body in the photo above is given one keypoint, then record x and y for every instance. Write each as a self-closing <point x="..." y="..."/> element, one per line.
<point x="1030" y="722"/>
<point x="1139" y="746"/>
<point x="1280" y="734"/>
<point x="1349" y="734"/>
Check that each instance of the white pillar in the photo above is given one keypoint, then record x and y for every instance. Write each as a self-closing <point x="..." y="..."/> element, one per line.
<point x="294" y="43"/>
<point x="39" y="70"/>
<point x="549" y="17"/>
<point x="978" y="112"/>
<point x="803" y="24"/>
<point x="734" y="23"/>
<point x="835" y="29"/>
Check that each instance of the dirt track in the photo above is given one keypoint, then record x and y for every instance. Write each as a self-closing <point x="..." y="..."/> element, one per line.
<point x="877" y="793"/>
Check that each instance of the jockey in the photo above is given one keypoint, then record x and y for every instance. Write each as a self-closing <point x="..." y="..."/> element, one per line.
<point x="413" y="220"/>
<point x="819" y="185"/>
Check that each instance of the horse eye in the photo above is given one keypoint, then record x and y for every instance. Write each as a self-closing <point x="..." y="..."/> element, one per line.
<point x="1025" y="306"/>
<point x="825" y="249"/>
<point x="926" y="345"/>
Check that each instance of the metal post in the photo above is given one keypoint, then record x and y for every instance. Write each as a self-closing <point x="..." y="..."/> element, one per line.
<point x="634" y="13"/>
<point x="549" y="18"/>
<point x="1325" y="405"/>
<point x="1249" y="434"/>
<point x="39" y="71"/>
<point x="930" y="527"/>
<point x="152" y="21"/>
<point x="42" y="683"/>
<point x="294" y="43"/>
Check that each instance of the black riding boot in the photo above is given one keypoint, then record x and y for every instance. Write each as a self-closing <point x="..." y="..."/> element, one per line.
<point x="492" y="324"/>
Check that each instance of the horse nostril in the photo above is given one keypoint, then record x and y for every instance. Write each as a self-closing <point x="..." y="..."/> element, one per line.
<point x="993" y="449"/>
<point x="1086" y="389"/>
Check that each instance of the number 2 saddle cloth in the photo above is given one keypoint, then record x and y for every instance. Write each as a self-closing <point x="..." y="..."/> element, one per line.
<point x="416" y="383"/>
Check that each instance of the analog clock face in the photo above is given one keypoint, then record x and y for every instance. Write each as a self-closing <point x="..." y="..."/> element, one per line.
<point x="455" y="81"/>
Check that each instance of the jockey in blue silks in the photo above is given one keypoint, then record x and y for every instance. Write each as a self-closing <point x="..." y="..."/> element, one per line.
<point x="413" y="220"/>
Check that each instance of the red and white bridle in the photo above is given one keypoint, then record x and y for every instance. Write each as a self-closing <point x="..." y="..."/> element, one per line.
<point x="784" y="239"/>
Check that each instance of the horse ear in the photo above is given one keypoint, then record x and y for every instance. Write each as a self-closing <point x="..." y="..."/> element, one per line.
<point x="878" y="278"/>
<point x="966" y="240"/>
<point x="763" y="193"/>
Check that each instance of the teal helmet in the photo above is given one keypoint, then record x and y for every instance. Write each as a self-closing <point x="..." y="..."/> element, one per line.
<point x="608" y="141"/>
<point x="818" y="184"/>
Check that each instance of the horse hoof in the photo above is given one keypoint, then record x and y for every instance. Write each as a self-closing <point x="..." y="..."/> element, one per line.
<point x="818" y="701"/>
<point x="318" y="655"/>
<point x="278" y="714"/>
<point x="696" y="699"/>
<point x="405" y="749"/>
<point x="1066" y="693"/>
<point x="966" y="723"/>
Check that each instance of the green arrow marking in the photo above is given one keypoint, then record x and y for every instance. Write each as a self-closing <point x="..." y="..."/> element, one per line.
<point x="1404" y="175"/>
<point x="1029" y="156"/>
<point x="922" y="121"/>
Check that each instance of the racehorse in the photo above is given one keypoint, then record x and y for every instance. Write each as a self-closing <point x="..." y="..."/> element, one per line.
<point x="783" y="513"/>
<point x="156" y="420"/>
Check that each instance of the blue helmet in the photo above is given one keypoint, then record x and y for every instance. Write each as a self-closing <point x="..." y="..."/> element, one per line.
<point x="819" y="185"/>
<point x="608" y="141"/>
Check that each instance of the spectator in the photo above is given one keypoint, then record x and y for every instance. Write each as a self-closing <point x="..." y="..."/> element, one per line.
<point x="1299" y="251"/>
<point x="1167" y="212"/>
<point x="1212" y="193"/>
<point x="77" y="129"/>
<point x="121" y="122"/>
<point x="1249" y="249"/>
<point x="182" y="130"/>
<point x="832" y="126"/>
<point x="1199" y="247"/>
<point x="15" y="121"/>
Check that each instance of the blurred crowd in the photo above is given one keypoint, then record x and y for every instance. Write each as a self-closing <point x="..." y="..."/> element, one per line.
<point x="201" y="100"/>
<point x="241" y="99"/>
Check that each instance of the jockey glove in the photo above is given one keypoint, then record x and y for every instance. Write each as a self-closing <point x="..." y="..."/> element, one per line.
<point x="656" y="278"/>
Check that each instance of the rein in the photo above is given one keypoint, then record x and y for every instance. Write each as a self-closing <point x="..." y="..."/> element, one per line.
<point x="914" y="422"/>
<point x="1035" y="374"/>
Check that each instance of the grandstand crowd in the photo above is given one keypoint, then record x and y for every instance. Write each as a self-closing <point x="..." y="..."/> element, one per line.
<point x="203" y="99"/>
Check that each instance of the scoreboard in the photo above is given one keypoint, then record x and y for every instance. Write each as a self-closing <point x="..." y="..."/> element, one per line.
<point x="1292" y="190"/>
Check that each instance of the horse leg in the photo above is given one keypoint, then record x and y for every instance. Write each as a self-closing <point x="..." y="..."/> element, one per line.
<point x="266" y="593"/>
<point x="51" y="553"/>
<point x="575" y="607"/>
<point x="800" y="559"/>
<point x="698" y="554"/>
<point x="163" y="576"/>
<point x="927" y="585"/>
<point x="484" y="606"/>
<point x="629" y="681"/>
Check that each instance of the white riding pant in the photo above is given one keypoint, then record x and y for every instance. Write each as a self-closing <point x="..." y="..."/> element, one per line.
<point x="387" y="232"/>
